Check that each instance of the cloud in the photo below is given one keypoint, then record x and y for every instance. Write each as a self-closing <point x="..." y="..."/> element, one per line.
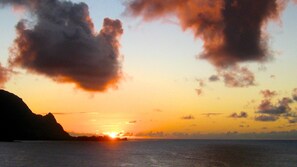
<point x="132" y="122"/>
<point x="71" y="113"/>
<point x="201" y="85"/>
<point x="291" y="117"/>
<point x="232" y="30"/>
<point x="268" y="93"/>
<point x="270" y="111"/>
<point x="199" y="91"/>
<point x="249" y="104"/>
<point x="244" y="126"/>
<point x="240" y="115"/>
<point x="282" y="108"/>
<point x="293" y="121"/>
<point x="213" y="78"/>
<point x="4" y="75"/>
<point x="227" y="135"/>
<point x="266" y="118"/>
<point x="158" y="110"/>
<point x="211" y="114"/>
<point x="151" y="134"/>
<point x="127" y="134"/>
<point x="235" y="76"/>
<point x="295" y="94"/>
<point x="61" y="43"/>
<point x="188" y="117"/>
<point x="200" y="82"/>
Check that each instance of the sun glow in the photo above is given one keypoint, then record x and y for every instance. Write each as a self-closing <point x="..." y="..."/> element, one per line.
<point x="112" y="135"/>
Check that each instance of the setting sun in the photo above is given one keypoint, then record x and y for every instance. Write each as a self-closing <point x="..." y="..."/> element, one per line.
<point x="148" y="83"/>
<point x="112" y="135"/>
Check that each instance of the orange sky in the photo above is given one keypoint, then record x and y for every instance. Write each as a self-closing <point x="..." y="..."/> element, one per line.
<point x="157" y="94"/>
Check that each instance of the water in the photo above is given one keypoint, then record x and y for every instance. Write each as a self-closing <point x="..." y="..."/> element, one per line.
<point x="183" y="153"/>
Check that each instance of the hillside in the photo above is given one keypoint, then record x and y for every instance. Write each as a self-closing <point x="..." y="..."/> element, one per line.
<point x="18" y="122"/>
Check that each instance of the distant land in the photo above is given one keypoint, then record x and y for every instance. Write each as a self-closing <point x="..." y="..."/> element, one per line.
<point x="18" y="122"/>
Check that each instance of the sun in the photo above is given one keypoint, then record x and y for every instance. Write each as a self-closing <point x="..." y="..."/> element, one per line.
<point x="112" y="135"/>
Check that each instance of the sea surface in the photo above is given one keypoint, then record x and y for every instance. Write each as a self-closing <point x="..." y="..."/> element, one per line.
<point x="142" y="153"/>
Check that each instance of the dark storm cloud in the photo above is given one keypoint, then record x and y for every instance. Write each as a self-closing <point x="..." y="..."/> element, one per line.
<point x="188" y="117"/>
<point x="240" y="115"/>
<point x="232" y="30"/>
<point x="60" y="42"/>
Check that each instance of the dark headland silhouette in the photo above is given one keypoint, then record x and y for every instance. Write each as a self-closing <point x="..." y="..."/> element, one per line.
<point x="18" y="122"/>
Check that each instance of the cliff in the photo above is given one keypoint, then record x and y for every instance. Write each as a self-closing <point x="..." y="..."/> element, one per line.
<point x="18" y="122"/>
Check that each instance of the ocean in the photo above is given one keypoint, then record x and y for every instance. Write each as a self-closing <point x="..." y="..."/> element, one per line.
<point x="142" y="153"/>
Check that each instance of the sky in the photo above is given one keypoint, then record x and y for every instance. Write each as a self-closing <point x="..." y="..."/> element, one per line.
<point x="145" y="71"/>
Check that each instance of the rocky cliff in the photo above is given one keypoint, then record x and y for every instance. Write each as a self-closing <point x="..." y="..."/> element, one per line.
<point x="18" y="122"/>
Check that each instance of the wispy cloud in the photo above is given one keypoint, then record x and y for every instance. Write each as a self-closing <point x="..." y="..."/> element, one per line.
<point x="244" y="126"/>
<point x="294" y="94"/>
<point x="268" y="93"/>
<point x="157" y="110"/>
<point x="226" y="135"/>
<point x="188" y="117"/>
<point x="266" y="118"/>
<point x="201" y="85"/>
<point x="211" y="114"/>
<point x="235" y="76"/>
<point x="213" y="78"/>
<point x="4" y="75"/>
<point x="199" y="91"/>
<point x="200" y="82"/>
<point x="239" y="115"/>
<point x="71" y="113"/>
<point x="132" y="122"/>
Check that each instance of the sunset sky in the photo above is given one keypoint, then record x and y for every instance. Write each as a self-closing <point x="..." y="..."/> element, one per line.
<point x="158" y="85"/>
